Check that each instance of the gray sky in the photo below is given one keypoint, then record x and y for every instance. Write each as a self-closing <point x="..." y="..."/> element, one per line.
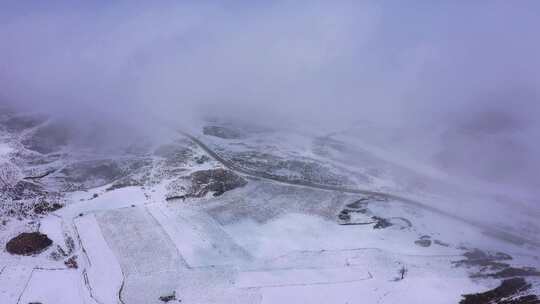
<point x="453" y="65"/>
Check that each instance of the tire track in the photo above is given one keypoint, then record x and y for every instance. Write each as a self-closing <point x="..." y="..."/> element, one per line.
<point x="25" y="286"/>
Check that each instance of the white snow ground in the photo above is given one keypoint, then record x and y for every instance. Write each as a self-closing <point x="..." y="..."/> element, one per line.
<point x="264" y="243"/>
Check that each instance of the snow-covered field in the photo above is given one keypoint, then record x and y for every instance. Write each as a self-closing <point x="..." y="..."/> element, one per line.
<point x="137" y="254"/>
<point x="140" y="253"/>
<point x="265" y="242"/>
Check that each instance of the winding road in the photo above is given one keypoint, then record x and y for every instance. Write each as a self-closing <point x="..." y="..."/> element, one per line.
<point x="487" y="229"/>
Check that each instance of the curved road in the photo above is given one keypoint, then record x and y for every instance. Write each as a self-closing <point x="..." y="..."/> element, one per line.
<point x="487" y="230"/>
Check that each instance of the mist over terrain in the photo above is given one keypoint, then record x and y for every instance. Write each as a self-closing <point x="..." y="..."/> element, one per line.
<point x="461" y="79"/>
<point x="258" y="152"/>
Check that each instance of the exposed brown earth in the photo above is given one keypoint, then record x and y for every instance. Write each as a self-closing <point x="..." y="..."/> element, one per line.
<point x="28" y="243"/>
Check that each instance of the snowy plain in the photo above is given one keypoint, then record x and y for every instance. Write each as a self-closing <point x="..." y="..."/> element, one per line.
<point x="265" y="242"/>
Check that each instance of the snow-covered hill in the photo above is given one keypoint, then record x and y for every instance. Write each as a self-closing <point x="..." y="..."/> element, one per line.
<point x="242" y="214"/>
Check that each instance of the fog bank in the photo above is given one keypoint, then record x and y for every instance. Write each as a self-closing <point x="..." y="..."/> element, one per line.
<point x="469" y="71"/>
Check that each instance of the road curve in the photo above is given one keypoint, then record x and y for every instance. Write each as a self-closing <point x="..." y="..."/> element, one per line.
<point x="487" y="230"/>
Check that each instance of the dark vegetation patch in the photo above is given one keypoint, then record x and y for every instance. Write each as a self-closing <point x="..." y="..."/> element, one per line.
<point x="381" y="223"/>
<point x="25" y="190"/>
<point x="200" y="183"/>
<point x="360" y="205"/>
<point x="27" y="199"/>
<point x="512" y="272"/>
<point x="346" y="215"/>
<point x="175" y="197"/>
<point x="222" y="132"/>
<point x="95" y="173"/>
<point x="217" y="181"/>
<point x="168" y="298"/>
<point x="63" y="252"/>
<point x="485" y="261"/>
<point x="423" y="241"/>
<point x="72" y="262"/>
<point x="477" y="254"/>
<point x="45" y="207"/>
<point x="28" y="243"/>
<point x="511" y="291"/>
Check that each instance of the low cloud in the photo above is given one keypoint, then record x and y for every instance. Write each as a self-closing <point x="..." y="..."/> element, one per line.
<point x="471" y="70"/>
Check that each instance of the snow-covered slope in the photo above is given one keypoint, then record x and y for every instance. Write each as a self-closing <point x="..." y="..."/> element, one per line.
<point x="169" y="222"/>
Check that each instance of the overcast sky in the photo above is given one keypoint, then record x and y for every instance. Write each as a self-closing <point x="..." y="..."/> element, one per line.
<point x="457" y="65"/>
